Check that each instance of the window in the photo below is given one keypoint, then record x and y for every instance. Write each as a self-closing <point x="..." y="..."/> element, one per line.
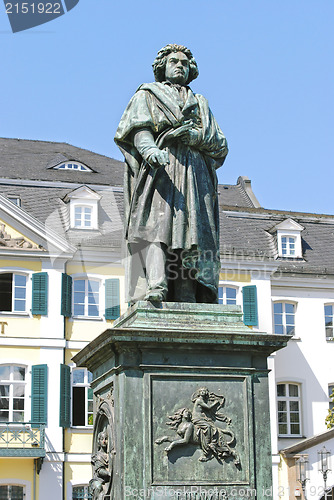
<point x="289" y="240"/>
<point x="12" y="391"/>
<point x="331" y="396"/>
<point x="13" y="292"/>
<point x="329" y="321"/>
<point x="288" y="406"/>
<point x="15" y="199"/>
<point x="82" y="398"/>
<point x="83" y="217"/>
<point x="12" y="492"/>
<point x="284" y="318"/>
<point x="227" y="295"/>
<point x="288" y="246"/>
<point x="86" y="297"/>
<point x="73" y="166"/>
<point x="81" y="493"/>
<point x="83" y="208"/>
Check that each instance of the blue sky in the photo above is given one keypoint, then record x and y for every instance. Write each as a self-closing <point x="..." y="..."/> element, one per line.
<point x="266" y="68"/>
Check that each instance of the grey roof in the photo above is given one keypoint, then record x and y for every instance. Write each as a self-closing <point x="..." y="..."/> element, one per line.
<point x="246" y="233"/>
<point x="47" y="205"/>
<point x="25" y="159"/>
<point x="245" y="227"/>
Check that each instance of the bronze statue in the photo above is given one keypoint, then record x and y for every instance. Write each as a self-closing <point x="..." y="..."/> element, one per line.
<point x="100" y="484"/>
<point x="198" y="427"/>
<point x="172" y="147"/>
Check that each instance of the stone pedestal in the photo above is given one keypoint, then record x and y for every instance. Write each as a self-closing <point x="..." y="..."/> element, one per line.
<point x="158" y="361"/>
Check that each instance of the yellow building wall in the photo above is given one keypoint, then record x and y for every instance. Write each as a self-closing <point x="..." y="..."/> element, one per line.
<point x="78" y="442"/>
<point x="76" y="473"/>
<point x="31" y="265"/>
<point x="20" y="327"/>
<point x="19" y="468"/>
<point x="235" y="276"/>
<point x="85" y="329"/>
<point x="31" y="355"/>
<point x="103" y="269"/>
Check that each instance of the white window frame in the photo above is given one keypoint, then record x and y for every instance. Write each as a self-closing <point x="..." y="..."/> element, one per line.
<point x="11" y="382"/>
<point x="329" y="337"/>
<point x="28" y="289"/>
<point x="287" y="398"/>
<point x="101" y="295"/>
<point x="70" y="165"/>
<point x="86" y="385"/>
<point x="16" y="200"/>
<point x="18" y="482"/>
<point x="82" y="208"/>
<point x="224" y="286"/>
<point x="330" y="390"/>
<point x="288" y="245"/>
<point x="284" y="324"/>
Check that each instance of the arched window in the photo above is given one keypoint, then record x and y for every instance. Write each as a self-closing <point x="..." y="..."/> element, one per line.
<point x="12" y="393"/>
<point x="73" y="166"/>
<point x="284" y="318"/>
<point x="289" y="409"/>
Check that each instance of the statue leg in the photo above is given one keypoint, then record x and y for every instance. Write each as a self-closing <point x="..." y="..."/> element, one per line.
<point x="156" y="272"/>
<point x="182" y="284"/>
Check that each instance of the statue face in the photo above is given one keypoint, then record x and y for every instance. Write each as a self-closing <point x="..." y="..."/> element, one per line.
<point x="177" y="68"/>
<point x="103" y="440"/>
<point x="186" y="414"/>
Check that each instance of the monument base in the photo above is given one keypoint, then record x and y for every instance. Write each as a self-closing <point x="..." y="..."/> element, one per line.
<point x="182" y="392"/>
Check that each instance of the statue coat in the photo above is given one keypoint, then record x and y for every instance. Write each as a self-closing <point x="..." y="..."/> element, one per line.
<point x="175" y="205"/>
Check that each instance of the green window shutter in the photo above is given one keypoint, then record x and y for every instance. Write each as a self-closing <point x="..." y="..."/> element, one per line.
<point x="66" y="295"/>
<point x="250" y="305"/>
<point x="39" y="391"/>
<point x="40" y="293"/>
<point x="65" y="396"/>
<point x="112" y="298"/>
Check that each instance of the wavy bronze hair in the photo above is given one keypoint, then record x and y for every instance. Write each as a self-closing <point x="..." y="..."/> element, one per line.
<point x="159" y="64"/>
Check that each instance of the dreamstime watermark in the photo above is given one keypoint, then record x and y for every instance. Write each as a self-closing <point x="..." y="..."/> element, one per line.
<point x="24" y="14"/>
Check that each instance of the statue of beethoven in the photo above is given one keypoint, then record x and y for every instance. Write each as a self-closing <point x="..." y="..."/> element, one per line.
<point x="172" y="147"/>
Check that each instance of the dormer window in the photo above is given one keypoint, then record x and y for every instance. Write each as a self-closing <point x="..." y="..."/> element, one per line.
<point x="83" y="208"/>
<point x="289" y="241"/>
<point x="73" y="166"/>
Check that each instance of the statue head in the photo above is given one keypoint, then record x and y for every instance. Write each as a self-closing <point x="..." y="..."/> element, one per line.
<point x="102" y="440"/>
<point x="202" y="392"/>
<point x="183" y="59"/>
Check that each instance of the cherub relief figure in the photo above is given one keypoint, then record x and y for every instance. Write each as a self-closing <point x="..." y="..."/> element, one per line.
<point x="198" y="427"/>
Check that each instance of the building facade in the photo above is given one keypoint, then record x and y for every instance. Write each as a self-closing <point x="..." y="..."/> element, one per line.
<point x="62" y="284"/>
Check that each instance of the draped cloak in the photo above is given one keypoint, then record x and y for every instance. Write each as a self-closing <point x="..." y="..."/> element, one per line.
<point x="177" y="204"/>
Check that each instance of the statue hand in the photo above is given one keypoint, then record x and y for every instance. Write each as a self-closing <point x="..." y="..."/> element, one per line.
<point x="158" y="158"/>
